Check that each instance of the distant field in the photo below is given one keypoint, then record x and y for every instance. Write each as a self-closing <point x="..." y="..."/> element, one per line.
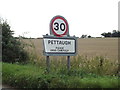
<point x="86" y="70"/>
<point x="90" y="47"/>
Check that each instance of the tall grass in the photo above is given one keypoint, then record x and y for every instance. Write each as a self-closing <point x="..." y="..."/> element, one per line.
<point x="31" y="76"/>
<point x="99" y="65"/>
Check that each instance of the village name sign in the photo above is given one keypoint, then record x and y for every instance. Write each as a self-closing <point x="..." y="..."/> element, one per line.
<point x="59" y="42"/>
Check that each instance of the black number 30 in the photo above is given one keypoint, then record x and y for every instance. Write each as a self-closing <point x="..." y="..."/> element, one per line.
<point x="62" y="26"/>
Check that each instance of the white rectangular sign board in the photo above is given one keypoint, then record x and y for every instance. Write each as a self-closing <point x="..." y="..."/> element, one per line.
<point x="58" y="46"/>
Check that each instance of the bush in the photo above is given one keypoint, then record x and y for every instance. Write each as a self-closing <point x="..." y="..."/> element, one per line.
<point x="12" y="49"/>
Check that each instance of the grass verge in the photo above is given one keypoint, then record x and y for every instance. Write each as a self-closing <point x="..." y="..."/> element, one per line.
<point x="31" y="76"/>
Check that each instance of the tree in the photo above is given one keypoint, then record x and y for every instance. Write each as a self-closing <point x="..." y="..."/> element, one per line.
<point x="109" y="34"/>
<point x="83" y="36"/>
<point x="89" y="36"/>
<point x="103" y="34"/>
<point x="12" y="49"/>
<point x="115" y="33"/>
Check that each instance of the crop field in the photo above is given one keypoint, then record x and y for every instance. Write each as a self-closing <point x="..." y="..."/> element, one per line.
<point x="92" y="53"/>
<point x="88" y="47"/>
<point x="95" y="66"/>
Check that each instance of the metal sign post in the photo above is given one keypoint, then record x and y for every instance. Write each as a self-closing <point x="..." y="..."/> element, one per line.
<point x="48" y="63"/>
<point x="59" y="42"/>
<point x="68" y="62"/>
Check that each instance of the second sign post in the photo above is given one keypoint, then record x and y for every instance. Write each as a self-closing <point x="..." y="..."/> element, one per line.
<point x="59" y="42"/>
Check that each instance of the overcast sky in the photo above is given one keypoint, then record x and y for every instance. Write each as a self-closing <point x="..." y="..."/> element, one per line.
<point x="32" y="17"/>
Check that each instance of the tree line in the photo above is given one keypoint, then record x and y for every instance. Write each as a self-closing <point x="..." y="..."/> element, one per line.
<point x="114" y="33"/>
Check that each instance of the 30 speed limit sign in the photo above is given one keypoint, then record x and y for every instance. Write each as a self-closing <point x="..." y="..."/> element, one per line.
<point x="59" y="26"/>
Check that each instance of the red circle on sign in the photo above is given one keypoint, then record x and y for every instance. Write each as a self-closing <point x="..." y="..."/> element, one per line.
<point x="59" y="17"/>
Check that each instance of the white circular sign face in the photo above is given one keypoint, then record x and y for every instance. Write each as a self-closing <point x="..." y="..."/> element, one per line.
<point x="59" y="26"/>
